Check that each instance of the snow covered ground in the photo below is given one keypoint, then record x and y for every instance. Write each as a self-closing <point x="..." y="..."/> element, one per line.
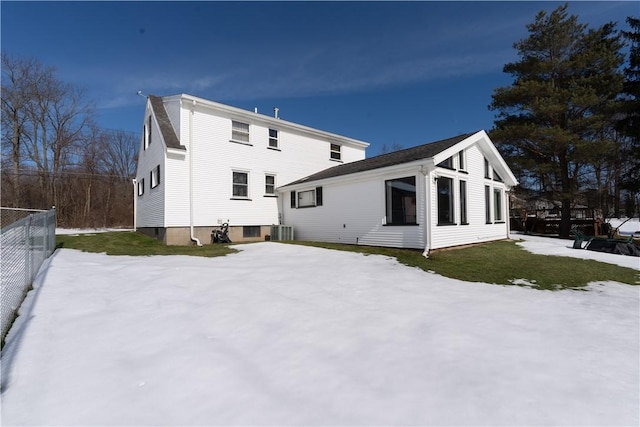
<point x="287" y="335"/>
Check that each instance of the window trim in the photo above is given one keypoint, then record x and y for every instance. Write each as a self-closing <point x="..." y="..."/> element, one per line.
<point x="141" y="187"/>
<point x="312" y="203"/>
<point x="154" y="178"/>
<point x="451" y="201"/>
<point x="333" y="152"/>
<point x="317" y="198"/>
<point x="463" y="200"/>
<point x="236" y="132"/>
<point x="389" y="207"/>
<point x="497" y="206"/>
<point x="233" y="185"/>
<point x="266" y="185"/>
<point x="274" y="138"/>
<point x="462" y="161"/>
<point x="487" y="203"/>
<point x="446" y="163"/>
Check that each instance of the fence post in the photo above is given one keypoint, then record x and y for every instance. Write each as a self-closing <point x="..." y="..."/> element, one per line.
<point x="27" y="250"/>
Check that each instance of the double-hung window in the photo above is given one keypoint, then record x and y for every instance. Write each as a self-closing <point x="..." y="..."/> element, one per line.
<point x="445" y="201"/>
<point x="400" y="195"/>
<point x="335" y="153"/>
<point x="269" y="185"/>
<point x="240" y="185"/>
<point x="273" y="138"/>
<point x="155" y="177"/>
<point x="239" y="131"/>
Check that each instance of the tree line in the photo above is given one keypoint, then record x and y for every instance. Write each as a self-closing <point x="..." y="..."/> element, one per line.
<point x="569" y="124"/>
<point x="54" y="154"/>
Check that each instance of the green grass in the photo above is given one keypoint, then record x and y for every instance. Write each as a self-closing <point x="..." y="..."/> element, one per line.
<point x="136" y="244"/>
<point x="502" y="262"/>
<point x="497" y="262"/>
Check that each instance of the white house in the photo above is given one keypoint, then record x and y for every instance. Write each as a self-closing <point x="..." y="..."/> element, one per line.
<point x="447" y="193"/>
<point x="202" y="163"/>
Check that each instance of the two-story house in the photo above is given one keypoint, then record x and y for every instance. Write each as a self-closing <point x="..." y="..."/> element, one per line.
<point x="202" y="163"/>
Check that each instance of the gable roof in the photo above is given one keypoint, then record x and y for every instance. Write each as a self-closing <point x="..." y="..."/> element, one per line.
<point x="407" y="155"/>
<point x="164" y="123"/>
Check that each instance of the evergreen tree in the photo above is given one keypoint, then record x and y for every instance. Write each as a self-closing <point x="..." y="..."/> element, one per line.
<point x="555" y="117"/>
<point x="629" y="126"/>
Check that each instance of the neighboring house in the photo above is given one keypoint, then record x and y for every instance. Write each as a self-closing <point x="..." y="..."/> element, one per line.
<point x="448" y="193"/>
<point x="202" y="163"/>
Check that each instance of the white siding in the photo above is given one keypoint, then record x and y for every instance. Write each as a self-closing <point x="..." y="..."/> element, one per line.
<point x="354" y="212"/>
<point x="477" y="230"/>
<point x="216" y="157"/>
<point x="204" y="128"/>
<point x="150" y="206"/>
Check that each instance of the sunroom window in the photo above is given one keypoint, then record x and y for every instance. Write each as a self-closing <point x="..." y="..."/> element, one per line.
<point x="401" y="201"/>
<point x="445" y="201"/>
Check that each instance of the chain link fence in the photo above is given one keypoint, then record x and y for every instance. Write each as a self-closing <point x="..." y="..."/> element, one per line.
<point x="28" y="238"/>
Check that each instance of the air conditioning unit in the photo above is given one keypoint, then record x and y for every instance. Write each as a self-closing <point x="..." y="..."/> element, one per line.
<point x="281" y="232"/>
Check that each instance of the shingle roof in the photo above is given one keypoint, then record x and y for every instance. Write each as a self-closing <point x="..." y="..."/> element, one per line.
<point x="168" y="133"/>
<point x="407" y="155"/>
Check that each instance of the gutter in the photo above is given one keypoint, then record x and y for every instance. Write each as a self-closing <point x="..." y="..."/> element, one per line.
<point x="192" y="236"/>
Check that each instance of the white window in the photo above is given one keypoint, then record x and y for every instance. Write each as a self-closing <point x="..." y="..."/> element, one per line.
<point x="462" y="161"/>
<point x="487" y="203"/>
<point x="400" y="196"/>
<point x="445" y="201"/>
<point x="141" y="187"/>
<point x="240" y="185"/>
<point x="446" y="163"/>
<point x="269" y="185"/>
<point x="273" y="138"/>
<point x="155" y="177"/>
<point x="463" y="202"/>
<point x="335" y="152"/>
<point x="497" y="205"/>
<point x="307" y="199"/>
<point x="239" y="131"/>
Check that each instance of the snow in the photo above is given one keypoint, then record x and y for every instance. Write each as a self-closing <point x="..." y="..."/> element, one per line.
<point x="627" y="226"/>
<point x="280" y="334"/>
<point x="560" y="247"/>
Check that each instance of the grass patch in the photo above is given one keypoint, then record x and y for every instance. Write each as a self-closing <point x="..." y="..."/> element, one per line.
<point x="501" y="263"/>
<point x="135" y="244"/>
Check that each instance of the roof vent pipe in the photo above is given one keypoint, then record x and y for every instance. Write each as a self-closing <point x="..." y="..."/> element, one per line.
<point x="255" y="110"/>
<point x="275" y="112"/>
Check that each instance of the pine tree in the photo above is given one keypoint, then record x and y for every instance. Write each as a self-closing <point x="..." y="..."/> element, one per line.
<point x="629" y="126"/>
<point x="553" y="120"/>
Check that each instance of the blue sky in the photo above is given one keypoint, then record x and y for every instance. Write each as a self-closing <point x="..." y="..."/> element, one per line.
<point x="389" y="73"/>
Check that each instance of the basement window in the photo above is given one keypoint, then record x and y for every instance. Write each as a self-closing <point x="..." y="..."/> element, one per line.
<point x="251" y="231"/>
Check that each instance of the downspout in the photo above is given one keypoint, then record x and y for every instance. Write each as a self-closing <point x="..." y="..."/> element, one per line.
<point x="424" y="170"/>
<point x="193" y="237"/>
<point x="134" y="181"/>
